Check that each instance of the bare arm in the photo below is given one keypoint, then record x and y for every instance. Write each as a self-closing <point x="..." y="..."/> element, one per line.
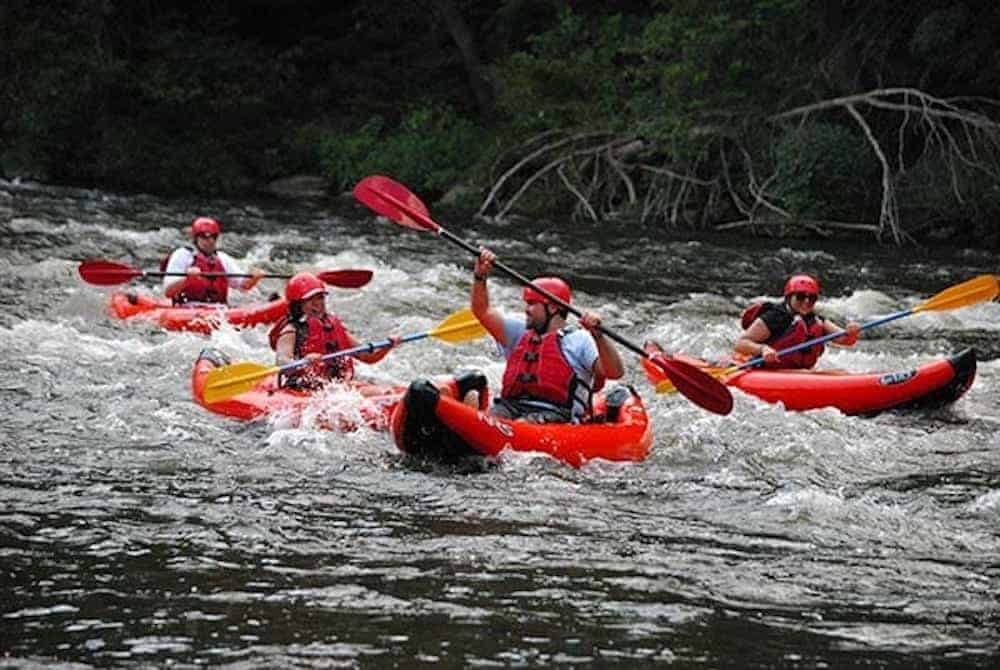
<point x="848" y="339"/>
<point x="173" y="288"/>
<point x="489" y="316"/>
<point x="372" y="356"/>
<point x="285" y="348"/>
<point x="751" y="342"/>
<point x="609" y="362"/>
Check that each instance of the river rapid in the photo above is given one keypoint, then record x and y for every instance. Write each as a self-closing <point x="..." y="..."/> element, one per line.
<point x="138" y="529"/>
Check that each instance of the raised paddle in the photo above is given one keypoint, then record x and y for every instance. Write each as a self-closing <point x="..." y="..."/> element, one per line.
<point x="971" y="292"/>
<point x="394" y="201"/>
<point x="230" y="380"/>
<point x="110" y="273"/>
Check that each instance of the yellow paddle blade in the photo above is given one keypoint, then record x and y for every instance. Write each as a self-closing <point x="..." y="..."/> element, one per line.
<point x="979" y="289"/>
<point x="666" y="386"/>
<point x="462" y="326"/>
<point x="230" y="380"/>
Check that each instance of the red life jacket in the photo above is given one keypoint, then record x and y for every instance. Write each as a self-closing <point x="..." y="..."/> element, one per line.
<point x="318" y="335"/>
<point x="538" y="370"/>
<point x="205" y="289"/>
<point x="799" y="330"/>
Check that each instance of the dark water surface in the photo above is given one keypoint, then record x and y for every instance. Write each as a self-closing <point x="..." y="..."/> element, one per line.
<point x="137" y="529"/>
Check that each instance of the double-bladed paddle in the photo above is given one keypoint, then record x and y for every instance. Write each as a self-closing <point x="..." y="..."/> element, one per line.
<point x="110" y="273"/>
<point x="971" y="292"/>
<point x="394" y="201"/>
<point x="231" y="380"/>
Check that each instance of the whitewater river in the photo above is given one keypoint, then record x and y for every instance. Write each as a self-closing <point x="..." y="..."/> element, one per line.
<point x="138" y="529"/>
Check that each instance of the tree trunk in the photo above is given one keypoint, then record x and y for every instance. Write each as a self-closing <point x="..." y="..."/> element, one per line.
<point x="466" y="42"/>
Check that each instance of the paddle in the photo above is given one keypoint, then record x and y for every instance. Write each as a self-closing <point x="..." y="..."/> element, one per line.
<point x="110" y="273"/>
<point x="976" y="290"/>
<point x="230" y="380"/>
<point x="394" y="201"/>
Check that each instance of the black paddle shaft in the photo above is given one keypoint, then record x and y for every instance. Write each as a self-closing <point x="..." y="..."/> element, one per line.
<point x="213" y="274"/>
<point x="514" y="274"/>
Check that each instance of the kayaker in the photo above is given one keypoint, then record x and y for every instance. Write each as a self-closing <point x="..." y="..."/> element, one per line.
<point x="309" y="331"/>
<point x="203" y="256"/>
<point x="771" y="327"/>
<point x="553" y="368"/>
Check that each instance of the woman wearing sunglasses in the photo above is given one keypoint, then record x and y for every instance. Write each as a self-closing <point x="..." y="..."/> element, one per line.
<point x="771" y="327"/>
<point x="200" y="258"/>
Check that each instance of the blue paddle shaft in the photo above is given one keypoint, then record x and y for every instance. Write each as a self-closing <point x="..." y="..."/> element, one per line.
<point x="759" y="360"/>
<point x="360" y="349"/>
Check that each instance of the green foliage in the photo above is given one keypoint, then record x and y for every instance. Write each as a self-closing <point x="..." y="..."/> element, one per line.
<point x="825" y="171"/>
<point x="431" y="150"/>
<point x="179" y="109"/>
<point x="737" y="56"/>
<point x="569" y="77"/>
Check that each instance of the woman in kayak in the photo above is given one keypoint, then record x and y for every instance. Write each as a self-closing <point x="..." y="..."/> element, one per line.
<point x="204" y="257"/>
<point x="553" y="369"/>
<point x="309" y="331"/>
<point x="771" y="327"/>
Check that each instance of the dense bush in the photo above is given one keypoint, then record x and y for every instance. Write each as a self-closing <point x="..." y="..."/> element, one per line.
<point x="187" y="97"/>
<point x="432" y="149"/>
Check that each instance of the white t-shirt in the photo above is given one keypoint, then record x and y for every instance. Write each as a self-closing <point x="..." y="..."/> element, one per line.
<point x="578" y="347"/>
<point x="183" y="258"/>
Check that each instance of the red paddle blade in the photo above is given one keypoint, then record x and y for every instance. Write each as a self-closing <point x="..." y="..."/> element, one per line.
<point x="107" y="273"/>
<point x="346" y="278"/>
<point x="697" y="386"/>
<point x="394" y="201"/>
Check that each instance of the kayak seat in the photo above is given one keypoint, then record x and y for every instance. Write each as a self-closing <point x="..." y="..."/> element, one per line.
<point x="473" y="380"/>
<point x="613" y="401"/>
<point x="216" y="357"/>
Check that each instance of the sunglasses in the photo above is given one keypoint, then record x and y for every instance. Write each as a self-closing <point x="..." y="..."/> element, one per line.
<point x="805" y="297"/>
<point x="211" y="236"/>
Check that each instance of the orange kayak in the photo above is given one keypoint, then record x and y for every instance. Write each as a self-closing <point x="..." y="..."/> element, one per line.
<point x="342" y="407"/>
<point x="432" y="423"/>
<point x="200" y="318"/>
<point x="933" y="384"/>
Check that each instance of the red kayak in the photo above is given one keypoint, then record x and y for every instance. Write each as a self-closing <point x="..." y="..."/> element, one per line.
<point x="199" y="318"/>
<point x="933" y="384"/>
<point x="431" y="423"/>
<point x="340" y="407"/>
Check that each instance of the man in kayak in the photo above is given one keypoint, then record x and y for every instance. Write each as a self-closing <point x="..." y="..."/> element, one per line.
<point x="309" y="331"/>
<point x="771" y="327"/>
<point x="201" y="258"/>
<point x="553" y="369"/>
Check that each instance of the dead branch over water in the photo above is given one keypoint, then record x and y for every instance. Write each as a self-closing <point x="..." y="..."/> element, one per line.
<point x="731" y="182"/>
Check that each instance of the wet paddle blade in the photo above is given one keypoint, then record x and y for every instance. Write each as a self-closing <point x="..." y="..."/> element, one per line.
<point x="106" y="273"/>
<point x="697" y="386"/>
<point x="979" y="289"/>
<point x="346" y="278"/>
<point x="394" y="201"/>
<point x="231" y="380"/>
<point x="462" y="326"/>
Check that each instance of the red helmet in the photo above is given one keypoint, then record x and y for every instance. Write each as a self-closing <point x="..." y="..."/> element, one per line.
<point x="553" y="285"/>
<point x="303" y="286"/>
<point x="801" y="283"/>
<point x="203" y="224"/>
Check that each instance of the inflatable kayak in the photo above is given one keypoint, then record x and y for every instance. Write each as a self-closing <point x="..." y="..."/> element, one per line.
<point x="432" y="423"/>
<point x="341" y="407"/>
<point x="933" y="384"/>
<point x="199" y="318"/>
